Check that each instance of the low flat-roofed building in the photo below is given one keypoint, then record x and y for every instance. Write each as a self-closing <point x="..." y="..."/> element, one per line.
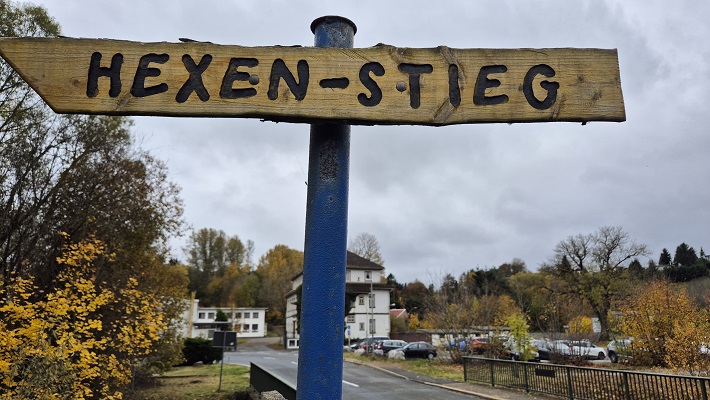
<point x="202" y="321"/>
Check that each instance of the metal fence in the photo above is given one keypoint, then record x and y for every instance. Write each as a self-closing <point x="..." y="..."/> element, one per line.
<point x="584" y="383"/>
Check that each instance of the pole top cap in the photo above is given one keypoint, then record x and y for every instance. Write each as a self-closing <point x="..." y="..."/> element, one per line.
<point x="332" y="19"/>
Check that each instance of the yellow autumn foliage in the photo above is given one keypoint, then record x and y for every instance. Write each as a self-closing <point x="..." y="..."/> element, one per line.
<point x="77" y="341"/>
<point x="580" y="325"/>
<point x="413" y="323"/>
<point x="668" y="329"/>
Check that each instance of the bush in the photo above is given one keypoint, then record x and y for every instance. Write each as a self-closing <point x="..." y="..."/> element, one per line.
<point x="198" y="349"/>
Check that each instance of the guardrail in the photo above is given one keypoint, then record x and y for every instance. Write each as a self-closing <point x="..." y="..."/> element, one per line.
<point x="264" y="381"/>
<point x="584" y="383"/>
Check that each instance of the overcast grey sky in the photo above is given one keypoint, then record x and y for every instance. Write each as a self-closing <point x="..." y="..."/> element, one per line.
<point x="448" y="199"/>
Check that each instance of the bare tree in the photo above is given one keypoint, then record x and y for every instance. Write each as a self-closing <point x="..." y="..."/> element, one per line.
<point x="366" y="246"/>
<point x="594" y="267"/>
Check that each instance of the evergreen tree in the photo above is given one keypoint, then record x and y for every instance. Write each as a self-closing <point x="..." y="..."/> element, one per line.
<point x="635" y="268"/>
<point x="397" y="287"/>
<point x="665" y="259"/>
<point x="685" y="255"/>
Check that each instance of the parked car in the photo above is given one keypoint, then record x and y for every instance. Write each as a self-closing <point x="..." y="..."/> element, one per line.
<point x="478" y="345"/>
<point x="368" y="342"/>
<point x="515" y="352"/>
<point x="418" y="350"/>
<point x="559" y="349"/>
<point x="543" y="350"/>
<point x="387" y="345"/>
<point x="619" y="349"/>
<point x="587" y="350"/>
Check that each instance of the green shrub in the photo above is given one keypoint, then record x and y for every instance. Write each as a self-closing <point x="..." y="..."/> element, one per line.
<point x="198" y="349"/>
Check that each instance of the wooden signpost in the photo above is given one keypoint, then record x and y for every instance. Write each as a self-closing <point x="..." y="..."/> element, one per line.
<point x="331" y="86"/>
<point x="377" y="85"/>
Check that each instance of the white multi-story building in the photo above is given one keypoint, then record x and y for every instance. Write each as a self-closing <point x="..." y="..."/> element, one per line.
<point x="369" y="296"/>
<point x="201" y="321"/>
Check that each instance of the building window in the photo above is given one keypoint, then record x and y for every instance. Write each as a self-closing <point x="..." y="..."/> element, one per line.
<point x="210" y="334"/>
<point x="368" y="275"/>
<point x="372" y="300"/>
<point x="351" y="319"/>
<point x="210" y="315"/>
<point x="238" y="315"/>
<point x="361" y="300"/>
<point x="245" y="328"/>
<point x="348" y="276"/>
<point x="372" y="326"/>
<point x="201" y="315"/>
<point x="255" y="315"/>
<point x="362" y="326"/>
<point x="255" y="327"/>
<point x="246" y="315"/>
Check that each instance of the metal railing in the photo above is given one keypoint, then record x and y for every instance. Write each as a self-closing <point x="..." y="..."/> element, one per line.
<point x="264" y="381"/>
<point x="584" y="383"/>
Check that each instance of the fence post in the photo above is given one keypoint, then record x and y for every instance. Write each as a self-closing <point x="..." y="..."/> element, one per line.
<point x="626" y="386"/>
<point x="464" y="369"/>
<point x="493" y="380"/>
<point x="569" y="383"/>
<point x="525" y="374"/>
<point x="703" y="389"/>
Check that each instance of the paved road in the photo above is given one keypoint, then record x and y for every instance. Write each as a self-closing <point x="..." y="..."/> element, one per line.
<point x="359" y="382"/>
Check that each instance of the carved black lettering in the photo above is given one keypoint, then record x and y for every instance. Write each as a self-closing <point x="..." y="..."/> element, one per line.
<point x="483" y="83"/>
<point x="551" y="87"/>
<point x="113" y="73"/>
<point x="369" y="83"/>
<point x="143" y="71"/>
<point x="279" y="70"/>
<point x="454" y="88"/>
<point x="334" y="83"/>
<point x="415" y="71"/>
<point x="232" y="75"/>
<point x="194" y="81"/>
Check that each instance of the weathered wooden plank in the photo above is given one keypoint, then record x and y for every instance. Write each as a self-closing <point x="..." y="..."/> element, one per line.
<point x="377" y="85"/>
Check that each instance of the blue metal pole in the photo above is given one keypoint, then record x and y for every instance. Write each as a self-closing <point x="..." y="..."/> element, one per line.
<point x="320" y="357"/>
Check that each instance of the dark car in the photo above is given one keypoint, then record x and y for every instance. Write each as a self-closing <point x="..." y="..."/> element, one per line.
<point x="543" y="349"/>
<point x="368" y="342"/>
<point x="418" y="350"/>
<point x="387" y="345"/>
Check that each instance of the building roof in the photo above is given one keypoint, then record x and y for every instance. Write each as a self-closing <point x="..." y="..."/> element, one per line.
<point x="354" y="261"/>
<point x="398" y="313"/>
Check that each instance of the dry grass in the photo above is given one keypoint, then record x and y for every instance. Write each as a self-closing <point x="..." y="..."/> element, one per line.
<point x="198" y="383"/>
<point x="434" y="368"/>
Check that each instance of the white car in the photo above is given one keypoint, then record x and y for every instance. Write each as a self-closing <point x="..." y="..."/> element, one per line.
<point x="621" y="349"/>
<point x="588" y="350"/>
<point x="560" y="348"/>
